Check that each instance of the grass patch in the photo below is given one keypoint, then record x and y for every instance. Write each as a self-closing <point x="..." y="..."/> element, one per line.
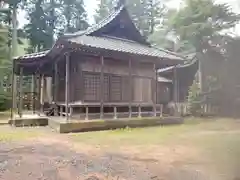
<point x="4" y="117"/>
<point x="17" y="134"/>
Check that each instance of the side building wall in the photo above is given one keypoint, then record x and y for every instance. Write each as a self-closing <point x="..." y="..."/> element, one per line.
<point x="85" y="74"/>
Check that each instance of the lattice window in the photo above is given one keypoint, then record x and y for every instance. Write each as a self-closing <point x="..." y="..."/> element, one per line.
<point x="92" y="86"/>
<point x="116" y="88"/>
<point x="106" y="88"/>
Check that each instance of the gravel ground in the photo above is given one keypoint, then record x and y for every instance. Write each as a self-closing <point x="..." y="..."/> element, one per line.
<point x="55" y="161"/>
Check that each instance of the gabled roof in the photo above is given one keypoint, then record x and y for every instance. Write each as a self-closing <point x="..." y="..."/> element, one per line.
<point x="116" y="32"/>
<point x="119" y="17"/>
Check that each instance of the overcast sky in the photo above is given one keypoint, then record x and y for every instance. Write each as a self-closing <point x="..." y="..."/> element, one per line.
<point x="91" y="6"/>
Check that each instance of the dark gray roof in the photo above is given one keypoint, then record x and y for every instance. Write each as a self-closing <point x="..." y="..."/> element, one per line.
<point x="192" y="61"/>
<point x="33" y="55"/>
<point x="122" y="45"/>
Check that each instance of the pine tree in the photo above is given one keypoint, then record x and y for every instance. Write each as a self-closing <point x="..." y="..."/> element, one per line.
<point x="146" y="14"/>
<point x="37" y="26"/>
<point x="103" y="10"/>
<point x="74" y="13"/>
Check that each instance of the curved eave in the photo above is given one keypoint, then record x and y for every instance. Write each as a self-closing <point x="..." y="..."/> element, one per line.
<point x="93" y="30"/>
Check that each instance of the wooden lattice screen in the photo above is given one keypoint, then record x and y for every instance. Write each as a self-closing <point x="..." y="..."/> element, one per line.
<point x="92" y="86"/>
<point x="116" y="88"/>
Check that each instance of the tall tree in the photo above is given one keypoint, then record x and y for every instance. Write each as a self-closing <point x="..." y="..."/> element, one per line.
<point x="198" y="22"/>
<point x="37" y="26"/>
<point x="103" y="10"/>
<point x="75" y="15"/>
<point x="146" y="14"/>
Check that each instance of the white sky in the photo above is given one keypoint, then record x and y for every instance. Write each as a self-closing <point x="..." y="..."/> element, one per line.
<point x="91" y="6"/>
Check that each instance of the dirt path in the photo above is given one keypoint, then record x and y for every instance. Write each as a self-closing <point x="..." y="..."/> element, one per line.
<point x="57" y="158"/>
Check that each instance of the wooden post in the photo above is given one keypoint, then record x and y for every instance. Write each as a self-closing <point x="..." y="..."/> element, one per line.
<point x="67" y="87"/>
<point x="20" y="92"/>
<point x="175" y="89"/>
<point x="41" y="92"/>
<point x="71" y="111"/>
<point x="38" y="93"/>
<point x="13" y="88"/>
<point x="102" y="88"/>
<point x="139" y="111"/>
<point x="33" y="93"/>
<point x="86" y="117"/>
<point x="56" y="79"/>
<point x="80" y="112"/>
<point x="115" y="112"/>
<point x="61" y="111"/>
<point x="154" y="91"/>
<point x="161" y="110"/>
<point x="130" y="87"/>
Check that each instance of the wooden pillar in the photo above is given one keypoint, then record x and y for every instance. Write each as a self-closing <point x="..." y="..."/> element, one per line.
<point x="130" y="87"/>
<point x="161" y="110"/>
<point x="41" y="92"/>
<point x="81" y="81"/>
<point x="61" y="111"/>
<point x="139" y="111"/>
<point x="33" y="86"/>
<point x="56" y="79"/>
<point x="102" y="88"/>
<point x="86" y="117"/>
<point x="13" y="88"/>
<point x="71" y="111"/>
<point x="38" y="91"/>
<point x="67" y="87"/>
<point x="175" y="91"/>
<point x="154" y="79"/>
<point x="115" y="112"/>
<point x="20" y="92"/>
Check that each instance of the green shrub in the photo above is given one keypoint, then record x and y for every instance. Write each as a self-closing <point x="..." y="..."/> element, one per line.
<point x="194" y="99"/>
<point x="5" y="100"/>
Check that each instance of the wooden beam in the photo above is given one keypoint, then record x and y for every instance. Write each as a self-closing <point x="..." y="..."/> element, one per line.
<point x="67" y="86"/>
<point x="20" y="93"/>
<point x="130" y="87"/>
<point x="102" y="88"/>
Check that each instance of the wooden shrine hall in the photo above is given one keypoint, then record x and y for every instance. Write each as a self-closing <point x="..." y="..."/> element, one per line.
<point x="106" y="71"/>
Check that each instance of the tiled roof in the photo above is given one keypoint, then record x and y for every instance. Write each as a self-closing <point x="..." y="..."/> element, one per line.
<point x="192" y="62"/>
<point x="122" y="45"/>
<point x="33" y="55"/>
